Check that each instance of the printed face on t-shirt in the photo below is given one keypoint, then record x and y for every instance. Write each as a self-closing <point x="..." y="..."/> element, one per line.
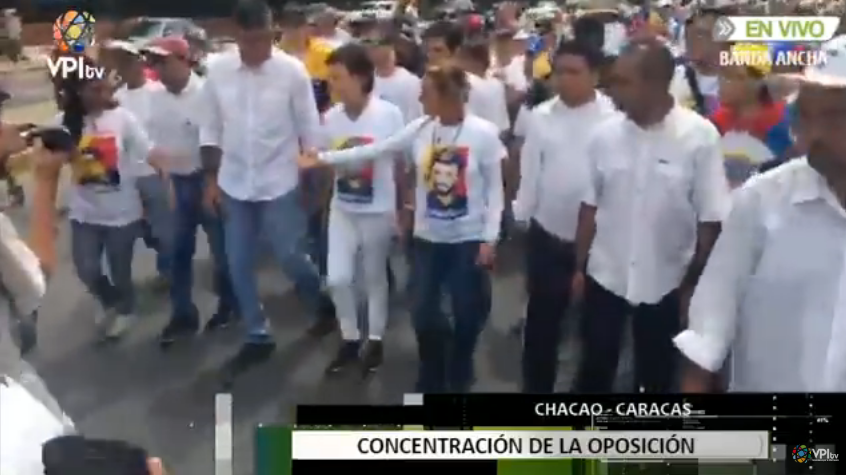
<point x="96" y="164"/>
<point x="355" y="182"/>
<point x="445" y="175"/>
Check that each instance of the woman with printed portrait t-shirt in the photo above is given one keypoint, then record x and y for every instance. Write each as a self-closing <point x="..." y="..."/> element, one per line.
<point x="104" y="205"/>
<point x="459" y="196"/>
<point x="362" y="213"/>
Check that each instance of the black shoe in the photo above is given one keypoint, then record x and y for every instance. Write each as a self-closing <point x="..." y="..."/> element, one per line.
<point x="372" y="357"/>
<point x="178" y="329"/>
<point x="346" y="356"/>
<point x="322" y="327"/>
<point x="219" y="321"/>
<point x="249" y="355"/>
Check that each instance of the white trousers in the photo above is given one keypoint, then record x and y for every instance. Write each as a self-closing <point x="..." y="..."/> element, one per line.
<point x="363" y="238"/>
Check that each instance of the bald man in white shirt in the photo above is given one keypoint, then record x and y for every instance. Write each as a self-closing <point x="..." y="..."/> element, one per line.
<point x="774" y="292"/>
<point x="652" y="212"/>
<point x="260" y="111"/>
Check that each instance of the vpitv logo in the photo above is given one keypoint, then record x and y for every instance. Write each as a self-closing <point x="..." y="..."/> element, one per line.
<point x="805" y="454"/>
<point x="73" y="32"/>
<point x="70" y="66"/>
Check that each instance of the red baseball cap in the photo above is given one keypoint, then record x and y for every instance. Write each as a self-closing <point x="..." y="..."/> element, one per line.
<point x="169" y="46"/>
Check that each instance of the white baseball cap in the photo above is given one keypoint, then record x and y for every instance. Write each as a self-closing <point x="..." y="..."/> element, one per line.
<point x="835" y="55"/>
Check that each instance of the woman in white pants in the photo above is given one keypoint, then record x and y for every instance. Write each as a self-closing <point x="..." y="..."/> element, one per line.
<point x="363" y="208"/>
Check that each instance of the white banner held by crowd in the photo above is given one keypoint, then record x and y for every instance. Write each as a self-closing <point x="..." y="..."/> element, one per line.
<point x="520" y="444"/>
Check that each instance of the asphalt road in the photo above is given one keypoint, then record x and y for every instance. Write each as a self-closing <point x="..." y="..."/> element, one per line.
<point x="164" y="400"/>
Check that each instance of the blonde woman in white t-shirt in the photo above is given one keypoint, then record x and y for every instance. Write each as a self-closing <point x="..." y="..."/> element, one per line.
<point x="459" y="202"/>
<point x="362" y="213"/>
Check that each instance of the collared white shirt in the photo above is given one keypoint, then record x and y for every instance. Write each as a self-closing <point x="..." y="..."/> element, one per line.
<point x="554" y="165"/>
<point x="774" y="289"/>
<point x="260" y="118"/>
<point x="651" y="187"/>
<point x="175" y="127"/>
<point x="138" y="101"/>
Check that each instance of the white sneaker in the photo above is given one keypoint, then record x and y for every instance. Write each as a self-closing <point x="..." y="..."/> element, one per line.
<point x="102" y="316"/>
<point x="119" y="326"/>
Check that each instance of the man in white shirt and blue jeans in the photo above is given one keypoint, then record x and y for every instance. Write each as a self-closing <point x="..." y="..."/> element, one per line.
<point x="260" y="111"/>
<point x="175" y="128"/>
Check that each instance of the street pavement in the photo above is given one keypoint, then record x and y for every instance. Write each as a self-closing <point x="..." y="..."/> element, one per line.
<point x="164" y="401"/>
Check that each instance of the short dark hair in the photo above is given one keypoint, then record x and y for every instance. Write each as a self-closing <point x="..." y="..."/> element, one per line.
<point x="479" y="51"/>
<point x="448" y="31"/>
<point x="356" y="60"/>
<point x="252" y="15"/>
<point x="594" y="58"/>
<point x="589" y="30"/>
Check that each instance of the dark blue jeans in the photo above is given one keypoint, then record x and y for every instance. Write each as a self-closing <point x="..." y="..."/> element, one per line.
<point x="189" y="214"/>
<point x="446" y="348"/>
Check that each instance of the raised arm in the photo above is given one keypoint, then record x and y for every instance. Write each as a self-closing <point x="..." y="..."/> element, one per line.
<point x="388" y="148"/>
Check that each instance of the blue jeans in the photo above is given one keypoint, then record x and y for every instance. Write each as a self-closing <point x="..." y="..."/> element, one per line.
<point x="158" y="222"/>
<point x="189" y="214"/>
<point x="446" y="348"/>
<point x="89" y="243"/>
<point x="283" y="222"/>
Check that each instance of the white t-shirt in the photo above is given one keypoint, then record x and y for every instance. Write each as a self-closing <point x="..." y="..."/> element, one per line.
<point x="708" y="85"/>
<point x="139" y="101"/>
<point x="459" y="193"/>
<point x="364" y="187"/>
<point x="402" y="89"/>
<point x="513" y="74"/>
<point x="520" y="122"/>
<point x="487" y="100"/>
<point x="112" y="145"/>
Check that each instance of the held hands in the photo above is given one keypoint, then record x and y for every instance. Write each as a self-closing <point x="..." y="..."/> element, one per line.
<point x="309" y="159"/>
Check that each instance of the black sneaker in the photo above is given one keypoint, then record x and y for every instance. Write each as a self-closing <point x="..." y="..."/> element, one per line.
<point x="346" y="356"/>
<point x="178" y="329"/>
<point x="249" y="355"/>
<point x="219" y="321"/>
<point x="372" y="357"/>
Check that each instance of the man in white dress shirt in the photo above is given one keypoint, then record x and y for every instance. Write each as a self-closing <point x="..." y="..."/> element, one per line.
<point x="774" y="290"/>
<point x="174" y="127"/>
<point x="554" y="178"/>
<point x="651" y="214"/>
<point x="259" y="111"/>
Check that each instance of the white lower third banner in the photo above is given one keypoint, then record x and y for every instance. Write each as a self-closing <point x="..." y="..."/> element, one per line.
<point x="522" y="444"/>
